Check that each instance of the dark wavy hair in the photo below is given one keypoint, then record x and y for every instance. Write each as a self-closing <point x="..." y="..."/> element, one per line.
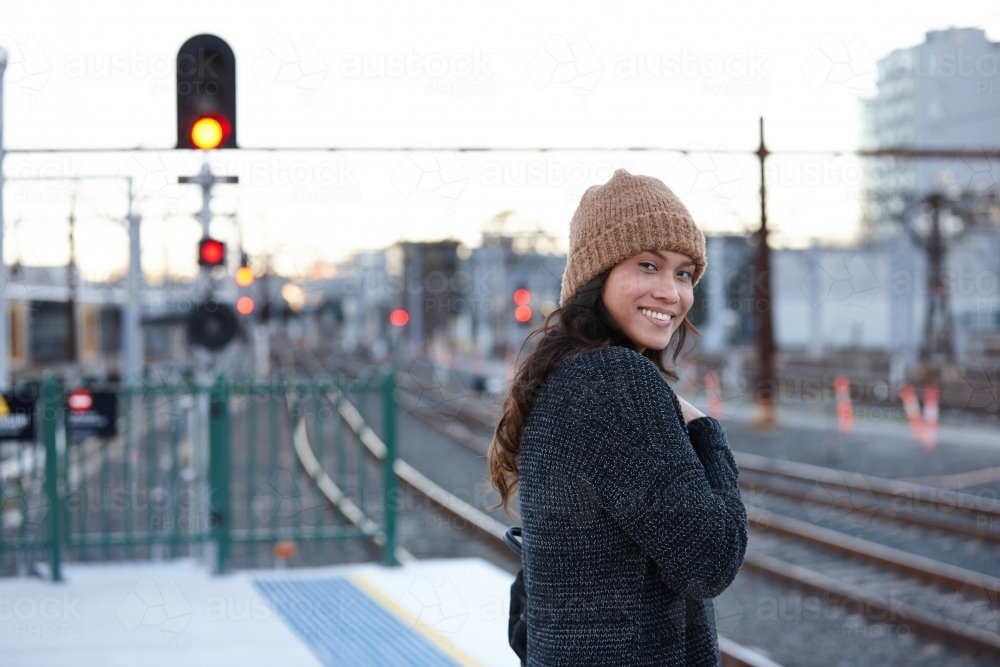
<point x="581" y="326"/>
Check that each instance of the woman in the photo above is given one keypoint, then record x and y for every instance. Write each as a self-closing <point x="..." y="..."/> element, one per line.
<point x="632" y="518"/>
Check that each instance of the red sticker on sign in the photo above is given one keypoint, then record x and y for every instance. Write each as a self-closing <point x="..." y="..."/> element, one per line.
<point x="80" y="400"/>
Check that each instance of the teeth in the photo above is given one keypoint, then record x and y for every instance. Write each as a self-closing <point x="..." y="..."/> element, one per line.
<point x="658" y="316"/>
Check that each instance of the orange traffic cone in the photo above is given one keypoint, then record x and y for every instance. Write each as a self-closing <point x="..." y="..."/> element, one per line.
<point x="912" y="407"/>
<point x="931" y="411"/>
<point x="845" y="411"/>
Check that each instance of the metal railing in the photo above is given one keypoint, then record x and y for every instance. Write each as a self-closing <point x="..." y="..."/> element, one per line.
<point x="200" y="470"/>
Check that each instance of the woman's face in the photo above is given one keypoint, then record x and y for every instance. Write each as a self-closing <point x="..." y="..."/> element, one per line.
<point x="649" y="295"/>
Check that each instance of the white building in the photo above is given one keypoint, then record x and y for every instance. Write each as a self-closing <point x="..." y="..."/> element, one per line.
<point x="943" y="93"/>
<point x="865" y="298"/>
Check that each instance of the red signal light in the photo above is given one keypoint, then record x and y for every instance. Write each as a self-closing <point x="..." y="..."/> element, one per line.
<point x="522" y="314"/>
<point x="399" y="317"/>
<point x="211" y="252"/>
<point x="80" y="400"/>
<point x="522" y="296"/>
<point x="244" y="305"/>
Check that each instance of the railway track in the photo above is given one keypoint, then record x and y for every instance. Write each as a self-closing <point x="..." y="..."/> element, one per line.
<point x="828" y="532"/>
<point x="463" y="515"/>
<point x="823" y="531"/>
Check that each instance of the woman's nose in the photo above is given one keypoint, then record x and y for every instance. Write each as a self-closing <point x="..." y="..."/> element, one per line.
<point x="666" y="289"/>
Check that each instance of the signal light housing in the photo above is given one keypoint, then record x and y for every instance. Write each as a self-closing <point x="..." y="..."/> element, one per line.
<point x="206" y="94"/>
<point x="212" y="324"/>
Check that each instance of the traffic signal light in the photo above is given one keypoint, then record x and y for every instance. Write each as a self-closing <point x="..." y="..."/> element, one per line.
<point x="399" y="317"/>
<point x="211" y="252"/>
<point x="244" y="276"/>
<point x="522" y="313"/>
<point x="206" y="94"/>
<point x="245" y="305"/>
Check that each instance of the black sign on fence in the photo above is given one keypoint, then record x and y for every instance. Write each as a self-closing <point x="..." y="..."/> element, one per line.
<point x="91" y="413"/>
<point x="17" y="418"/>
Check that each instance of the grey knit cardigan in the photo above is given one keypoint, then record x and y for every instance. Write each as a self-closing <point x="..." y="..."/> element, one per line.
<point x="632" y="521"/>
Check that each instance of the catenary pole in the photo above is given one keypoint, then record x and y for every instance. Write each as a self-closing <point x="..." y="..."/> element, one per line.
<point x="765" y="389"/>
<point x="4" y="329"/>
<point x="71" y="342"/>
<point x="133" y="312"/>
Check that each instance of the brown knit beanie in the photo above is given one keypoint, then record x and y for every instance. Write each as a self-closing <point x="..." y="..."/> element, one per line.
<point x="625" y="216"/>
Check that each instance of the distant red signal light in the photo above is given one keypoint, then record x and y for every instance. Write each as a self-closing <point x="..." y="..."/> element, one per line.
<point x="522" y="314"/>
<point x="211" y="252"/>
<point x="399" y="317"/>
<point x="244" y="305"/>
<point x="80" y="400"/>
<point x="522" y="296"/>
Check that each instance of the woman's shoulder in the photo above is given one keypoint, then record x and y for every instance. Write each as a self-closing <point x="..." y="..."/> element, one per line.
<point x="613" y="361"/>
<point x="590" y="358"/>
<point x="609" y="372"/>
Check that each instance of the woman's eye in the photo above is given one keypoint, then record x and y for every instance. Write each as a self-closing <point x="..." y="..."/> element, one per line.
<point x="687" y="273"/>
<point x="647" y="264"/>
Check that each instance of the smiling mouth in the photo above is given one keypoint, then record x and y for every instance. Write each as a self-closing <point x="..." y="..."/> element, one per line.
<point x="660" y="319"/>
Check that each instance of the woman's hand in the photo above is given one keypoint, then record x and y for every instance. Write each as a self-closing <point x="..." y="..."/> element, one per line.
<point x="689" y="412"/>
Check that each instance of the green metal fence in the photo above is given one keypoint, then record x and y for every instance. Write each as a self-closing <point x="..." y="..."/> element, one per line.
<point x="223" y="472"/>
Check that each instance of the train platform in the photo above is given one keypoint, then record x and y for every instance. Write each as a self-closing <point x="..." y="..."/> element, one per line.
<point x="429" y="612"/>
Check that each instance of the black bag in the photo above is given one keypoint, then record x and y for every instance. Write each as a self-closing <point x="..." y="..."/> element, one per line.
<point x="517" y="627"/>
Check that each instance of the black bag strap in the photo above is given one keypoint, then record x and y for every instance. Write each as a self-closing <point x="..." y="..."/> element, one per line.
<point x="510" y="537"/>
<point x="517" y="627"/>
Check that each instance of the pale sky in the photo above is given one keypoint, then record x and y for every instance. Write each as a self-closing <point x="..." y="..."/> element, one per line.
<point x="441" y="74"/>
